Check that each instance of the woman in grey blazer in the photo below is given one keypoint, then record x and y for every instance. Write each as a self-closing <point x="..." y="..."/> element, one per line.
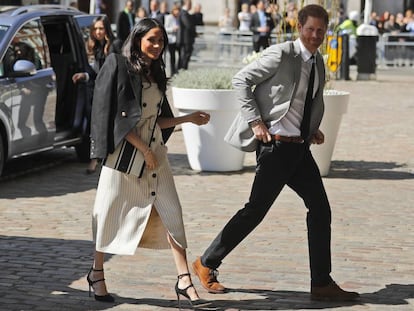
<point x="136" y="201"/>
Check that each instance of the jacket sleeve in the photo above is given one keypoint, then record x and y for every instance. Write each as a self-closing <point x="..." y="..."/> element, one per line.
<point x="103" y="107"/>
<point x="252" y="75"/>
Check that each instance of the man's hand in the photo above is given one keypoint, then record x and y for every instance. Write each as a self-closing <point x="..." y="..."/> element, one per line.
<point x="79" y="76"/>
<point x="261" y="132"/>
<point x="317" y="138"/>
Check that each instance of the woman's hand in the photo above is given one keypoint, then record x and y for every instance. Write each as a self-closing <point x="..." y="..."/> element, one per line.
<point x="199" y="117"/>
<point x="150" y="159"/>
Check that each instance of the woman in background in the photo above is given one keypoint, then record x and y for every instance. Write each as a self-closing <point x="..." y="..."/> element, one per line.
<point x="100" y="43"/>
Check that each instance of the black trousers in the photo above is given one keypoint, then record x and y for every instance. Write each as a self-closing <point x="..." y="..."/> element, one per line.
<point x="263" y="43"/>
<point x="185" y="54"/>
<point x="280" y="164"/>
<point x="172" y="49"/>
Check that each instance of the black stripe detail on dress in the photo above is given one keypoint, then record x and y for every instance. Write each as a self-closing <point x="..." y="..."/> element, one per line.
<point x="126" y="157"/>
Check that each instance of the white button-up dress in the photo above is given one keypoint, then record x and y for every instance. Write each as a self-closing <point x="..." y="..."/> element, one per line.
<point x="131" y="211"/>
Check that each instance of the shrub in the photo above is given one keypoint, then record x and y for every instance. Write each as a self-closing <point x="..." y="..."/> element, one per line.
<point x="204" y="78"/>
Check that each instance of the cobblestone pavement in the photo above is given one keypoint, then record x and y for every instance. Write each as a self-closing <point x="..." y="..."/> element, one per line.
<point x="45" y="224"/>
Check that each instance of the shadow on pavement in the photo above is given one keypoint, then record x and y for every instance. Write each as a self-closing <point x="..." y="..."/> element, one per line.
<point x="59" y="179"/>
<point x="363" y="170"/>
<point x="36" y="273"/>
<point x="370" y="170"/>
<point x="39" y="272"/>
<point x="393" y="294"/>
<point x="180" y="166"/>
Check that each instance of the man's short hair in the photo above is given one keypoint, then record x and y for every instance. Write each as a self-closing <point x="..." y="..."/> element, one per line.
<point x="313" y="10"/>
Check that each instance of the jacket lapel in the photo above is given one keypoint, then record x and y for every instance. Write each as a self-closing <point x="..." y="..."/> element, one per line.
<point x="136" y="84"/>
<point x="297" y="64"/>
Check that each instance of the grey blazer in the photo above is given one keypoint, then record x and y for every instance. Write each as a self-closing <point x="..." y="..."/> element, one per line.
<point x="266" y="89"/>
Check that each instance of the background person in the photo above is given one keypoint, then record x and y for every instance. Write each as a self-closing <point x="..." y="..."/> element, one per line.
<point x="186" y="35"/>
<point x="125" y="21"/>
<point x="349" y="26"/>
<point x="154" y="11"/>
<point x="140" y="14"/>
<point x="244" y="18"/>
<point x="261" y="25"/>
<point x="226" y="26"/>
<point x="134" y="207"/>
<point x="101" y="42"/>
<point x="198" y="15"/>
<point x="172" y="25"/>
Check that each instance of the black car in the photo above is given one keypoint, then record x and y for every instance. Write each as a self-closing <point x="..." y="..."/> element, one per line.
<point x="41" y="47"/>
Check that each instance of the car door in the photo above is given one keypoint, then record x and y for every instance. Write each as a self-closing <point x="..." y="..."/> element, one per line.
<point x="31" y="96"/>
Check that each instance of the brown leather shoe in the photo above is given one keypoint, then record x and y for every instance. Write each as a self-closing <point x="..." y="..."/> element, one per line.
<point x="332" y="292"/>
<point x="208" y="278"/>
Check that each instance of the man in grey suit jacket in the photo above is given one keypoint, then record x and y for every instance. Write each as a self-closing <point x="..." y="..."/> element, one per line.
<point x="273" y="93"/>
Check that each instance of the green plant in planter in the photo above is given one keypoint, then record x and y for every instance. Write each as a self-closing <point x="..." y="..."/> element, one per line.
<point x="204" y="78"/>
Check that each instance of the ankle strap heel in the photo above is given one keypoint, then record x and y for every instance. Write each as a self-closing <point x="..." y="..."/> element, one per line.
<point x="183" y="292"/>
<point x="183" y="275"/>
<point x="104" y="298"/>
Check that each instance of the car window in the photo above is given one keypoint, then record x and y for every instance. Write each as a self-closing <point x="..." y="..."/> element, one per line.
<point x="27" y="44"/>
<point x="3" y="30"/>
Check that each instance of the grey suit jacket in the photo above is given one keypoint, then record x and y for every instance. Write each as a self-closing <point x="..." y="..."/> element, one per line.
<point x="266" y="88"/>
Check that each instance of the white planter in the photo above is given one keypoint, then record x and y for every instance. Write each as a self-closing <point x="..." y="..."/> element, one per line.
<point x="205" y="145"/>
<point x="336" y="104"/>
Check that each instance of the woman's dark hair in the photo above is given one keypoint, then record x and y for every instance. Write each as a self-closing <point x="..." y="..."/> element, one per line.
<point x="313" y="10"/>
<point x="132" y="51"/>
<point x="93" y="44"/>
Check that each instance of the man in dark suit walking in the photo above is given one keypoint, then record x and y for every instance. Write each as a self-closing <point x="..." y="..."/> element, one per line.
<point x="155" y="11"/>
<point x="186" y="35"/>
<point x="125" y="21"/>
<point x="261" y="25"/>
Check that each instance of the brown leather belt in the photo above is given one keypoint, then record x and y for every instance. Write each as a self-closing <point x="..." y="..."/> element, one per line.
<point x="288" y="139"/>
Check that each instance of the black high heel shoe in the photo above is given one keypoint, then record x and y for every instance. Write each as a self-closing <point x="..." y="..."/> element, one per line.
<point x="183" y="292"/>
<point x="104" y="298"/>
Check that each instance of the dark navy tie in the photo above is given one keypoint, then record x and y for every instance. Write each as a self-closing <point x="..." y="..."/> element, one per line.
<point x="304" y="127"/>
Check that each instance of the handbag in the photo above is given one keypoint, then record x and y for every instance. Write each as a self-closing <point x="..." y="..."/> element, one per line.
<point x="128" y="159"/>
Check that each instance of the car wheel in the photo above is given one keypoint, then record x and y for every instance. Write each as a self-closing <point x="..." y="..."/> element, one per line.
<point x="83" y="150"/>
<point x="2" y="156"/>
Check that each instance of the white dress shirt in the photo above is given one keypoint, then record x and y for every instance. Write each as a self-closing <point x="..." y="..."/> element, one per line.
<point x="289" y="125"/>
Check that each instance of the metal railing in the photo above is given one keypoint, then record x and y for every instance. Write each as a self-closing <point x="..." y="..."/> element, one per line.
<point x="395" y="49"/>
<point x="229" y="48"/>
